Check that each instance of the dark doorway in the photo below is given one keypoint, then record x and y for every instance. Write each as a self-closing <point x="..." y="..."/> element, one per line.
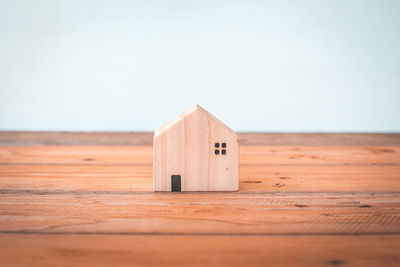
<point x="175" y="183"/>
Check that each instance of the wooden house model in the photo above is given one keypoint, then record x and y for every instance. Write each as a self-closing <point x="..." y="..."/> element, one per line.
<point x="195" y="152"/>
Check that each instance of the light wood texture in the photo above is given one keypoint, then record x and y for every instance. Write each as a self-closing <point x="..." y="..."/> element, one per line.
<point x="317" y="200"/>
<point x="262" y="168"/>
<point x="185" y="146"/>
<point x="258" y="178"/>
<point x="249" y="155"/>
<point x="116" y="212"/>
<point x="146" y="138"/>
<point x="150" y="250"/>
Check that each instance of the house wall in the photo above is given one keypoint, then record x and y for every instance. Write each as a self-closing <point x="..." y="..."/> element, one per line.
<point x="188" y="149"/>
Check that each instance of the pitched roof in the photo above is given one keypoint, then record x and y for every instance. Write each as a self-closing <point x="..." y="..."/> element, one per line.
<point x="194" y="108"/>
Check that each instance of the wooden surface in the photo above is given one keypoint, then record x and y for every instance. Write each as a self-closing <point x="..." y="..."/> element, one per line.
<point x="186" y="146"/>
<point x="304" y="200"/>
<point x="146" y="138"/>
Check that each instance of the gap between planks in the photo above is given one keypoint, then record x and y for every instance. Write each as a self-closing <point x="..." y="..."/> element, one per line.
<point x="154" y="234"/>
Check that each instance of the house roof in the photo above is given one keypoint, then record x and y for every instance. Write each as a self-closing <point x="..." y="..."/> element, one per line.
<point x="191" y="110"/>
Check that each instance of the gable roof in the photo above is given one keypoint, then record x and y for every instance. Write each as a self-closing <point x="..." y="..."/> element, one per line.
<point x="191" y="110"/>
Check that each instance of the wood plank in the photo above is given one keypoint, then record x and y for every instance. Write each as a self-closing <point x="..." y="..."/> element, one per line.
<point x="258" y="178"/>
<point x="246" y="138"/>
<point x="315" y="155"/>
<point x="255" y="155"/>
<point x="320" y="139"/>
<point x="122" y="178"/>
<point x="91" y="155"/>
<point x="16" y="138"/>
<point x="305" y="178"/>
<point x="91" y="205"/>
<point x="198" y="213"/>
<point x="95" y="250"/>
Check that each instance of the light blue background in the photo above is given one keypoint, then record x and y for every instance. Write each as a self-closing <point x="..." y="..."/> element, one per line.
<point x="257" y="65"/>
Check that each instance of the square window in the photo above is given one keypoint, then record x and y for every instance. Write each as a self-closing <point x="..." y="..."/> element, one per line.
<point x="216" y="151"/>
<point x="223" y="152"/>
<point x="216" y="144"/>
<point x="223" y="144"/>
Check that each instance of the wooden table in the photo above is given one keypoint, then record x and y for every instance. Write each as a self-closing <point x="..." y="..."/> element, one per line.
<point x="305" y="199"/>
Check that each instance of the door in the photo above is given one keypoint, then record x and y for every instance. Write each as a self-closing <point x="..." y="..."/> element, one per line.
<point x="175" y="183"/>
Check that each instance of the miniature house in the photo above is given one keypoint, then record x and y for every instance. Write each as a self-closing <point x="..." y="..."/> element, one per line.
<point x="195" y="152"/>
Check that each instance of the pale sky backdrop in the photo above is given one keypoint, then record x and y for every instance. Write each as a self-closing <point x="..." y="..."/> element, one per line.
<point x="302" y="66"/>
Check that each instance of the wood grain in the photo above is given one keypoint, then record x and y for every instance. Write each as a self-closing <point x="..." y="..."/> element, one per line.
<point x="249" y="155"/>
<point x="84" y="199"/>
<point x="95" y="250"/>
<point x="15" y="138"/>
<point x="185" y="146"/>
<point x="259" y="178"/>
<point x="199" y="213"/>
